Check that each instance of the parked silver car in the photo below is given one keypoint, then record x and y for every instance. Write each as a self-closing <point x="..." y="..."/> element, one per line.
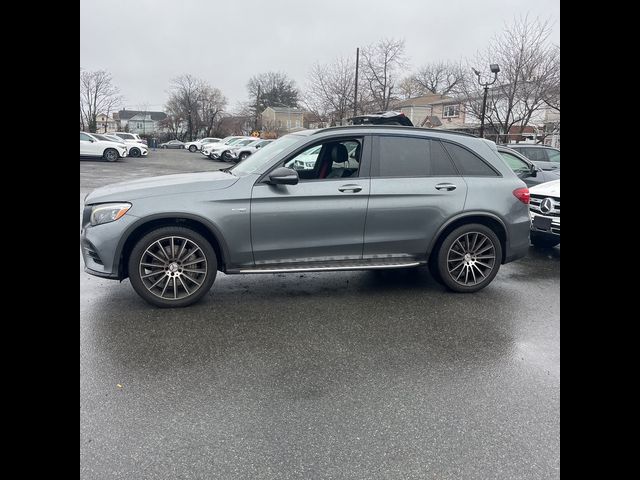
<point x="429" y="197"/>
<point x="240" y="153"/>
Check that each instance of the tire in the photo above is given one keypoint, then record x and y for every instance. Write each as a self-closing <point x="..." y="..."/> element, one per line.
<point x="111" y="155"/>
<point x="469" y="258"/>
<point x="543" y="241"/>
<point x="243" y="156"/>
<point x="192" y="148"/>
<point x="223" y="156"/>
<point x="183" y="286"/>
<point x="134" y="152"/>
<point x="211" y="157"/>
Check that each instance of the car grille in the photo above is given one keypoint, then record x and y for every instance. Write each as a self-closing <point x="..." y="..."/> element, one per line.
<point x="536" y="201"/>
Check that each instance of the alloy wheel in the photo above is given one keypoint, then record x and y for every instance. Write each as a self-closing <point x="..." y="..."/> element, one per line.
<point x="471" y="258"/>
<point x="173" y="268"/>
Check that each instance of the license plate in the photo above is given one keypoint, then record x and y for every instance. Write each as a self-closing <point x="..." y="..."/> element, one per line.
<point x="541" y="223"/>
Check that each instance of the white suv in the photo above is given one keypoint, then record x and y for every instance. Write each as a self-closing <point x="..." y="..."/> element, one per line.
<point x="544" y="210"/>
<point x="92" y="146"/>
<point x="198" y="144"/>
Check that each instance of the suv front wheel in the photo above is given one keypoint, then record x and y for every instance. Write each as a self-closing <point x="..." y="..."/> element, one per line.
<point x="172" y="267"/>
<point x="469" y="258"/>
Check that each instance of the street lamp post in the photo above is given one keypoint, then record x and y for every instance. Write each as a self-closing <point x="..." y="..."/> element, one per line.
<point x="494" y="69"/>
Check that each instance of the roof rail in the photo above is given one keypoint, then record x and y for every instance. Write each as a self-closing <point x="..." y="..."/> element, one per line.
<point x="376" y="127"/>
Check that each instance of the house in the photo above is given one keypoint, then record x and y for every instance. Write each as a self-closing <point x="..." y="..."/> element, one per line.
<point x="104" y="124"/>
<point x="136" y="121"/>
<point x="284" y="119"/>
<point x="434" y="111"/>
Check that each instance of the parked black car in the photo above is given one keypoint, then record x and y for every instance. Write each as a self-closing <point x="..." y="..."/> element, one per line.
<point x="382" y="118"/>
<point x="547" y="158"/>
<point x="528" y="172"/>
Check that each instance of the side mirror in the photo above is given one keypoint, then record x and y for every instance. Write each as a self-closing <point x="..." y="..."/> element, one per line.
<point x="284" y="176"/>
<point x="534" y="171"/>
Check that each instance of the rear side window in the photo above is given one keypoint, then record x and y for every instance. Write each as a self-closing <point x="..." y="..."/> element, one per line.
<point x="413" y="157"/>
<point x="467" y="163"/>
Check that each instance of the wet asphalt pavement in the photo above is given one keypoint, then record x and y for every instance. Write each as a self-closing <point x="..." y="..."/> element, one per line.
<point x="346" y="375"/>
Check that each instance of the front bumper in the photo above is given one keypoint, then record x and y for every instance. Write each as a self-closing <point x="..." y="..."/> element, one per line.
<point x="99" y="246"/>
<point x="554" y="230"/>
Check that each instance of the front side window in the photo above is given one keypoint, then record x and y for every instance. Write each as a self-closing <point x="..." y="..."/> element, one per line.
<point x="413" y="157"/>
<point x="468" y="163"/>
<point x="554" y="156"/>
<point x="126" y="136"/>
<point x="515" y="164"/>
<point x="84" y="137"/>
<point x="330" y="160"/>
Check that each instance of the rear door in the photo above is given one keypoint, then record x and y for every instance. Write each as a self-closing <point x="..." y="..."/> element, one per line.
<point x="414" y="188"/>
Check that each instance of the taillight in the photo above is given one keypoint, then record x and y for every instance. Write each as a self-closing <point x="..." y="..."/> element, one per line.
<point x="522" y="194"/>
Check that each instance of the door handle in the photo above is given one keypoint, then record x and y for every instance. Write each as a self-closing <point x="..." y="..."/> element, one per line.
<point x="350" y="188"/>
<point x="446" y="186"/>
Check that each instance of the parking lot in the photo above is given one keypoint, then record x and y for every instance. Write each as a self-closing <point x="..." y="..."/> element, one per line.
<point x="367" y="374"/>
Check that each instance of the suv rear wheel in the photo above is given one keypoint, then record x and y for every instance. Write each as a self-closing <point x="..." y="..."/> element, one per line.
<point x="172" y="267"/>
<point x="469" y="258"/>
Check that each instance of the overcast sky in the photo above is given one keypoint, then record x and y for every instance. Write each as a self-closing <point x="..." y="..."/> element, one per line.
<point x="146" y="43"/>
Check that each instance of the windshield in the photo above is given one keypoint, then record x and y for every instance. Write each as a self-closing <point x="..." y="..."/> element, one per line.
<point x="102" y="137"/>
<point x="263" y="155"/>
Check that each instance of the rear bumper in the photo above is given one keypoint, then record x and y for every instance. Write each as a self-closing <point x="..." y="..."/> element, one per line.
<point x="518" y="241"/>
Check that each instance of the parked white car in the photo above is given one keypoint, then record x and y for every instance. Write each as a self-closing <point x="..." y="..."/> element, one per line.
<point x="544" y="210"/>
<point x="198" y="144"/>
<point x="134" y="149"/>
<point x="131" y="137"/>
<point x="214" y="150"/>
<point x="241" y="152"/>
<point x="91" y="146"/>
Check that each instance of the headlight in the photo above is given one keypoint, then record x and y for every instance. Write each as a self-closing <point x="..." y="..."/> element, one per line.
<point x="108" y="212"/>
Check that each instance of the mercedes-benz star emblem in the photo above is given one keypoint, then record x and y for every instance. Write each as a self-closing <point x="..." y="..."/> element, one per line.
<point x="546" y="205"/>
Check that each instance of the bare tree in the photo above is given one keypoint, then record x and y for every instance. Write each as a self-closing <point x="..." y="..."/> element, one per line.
<point x="380" y="65"/>
<point x="442" y="78"/>
<point x="527" y="70"/>
<point x="98" y="95"/>
<point x="195" y="102"/>
<point x="409" y="88"/>
<point x="212" y="106"/>
<point x="330" y="90"/>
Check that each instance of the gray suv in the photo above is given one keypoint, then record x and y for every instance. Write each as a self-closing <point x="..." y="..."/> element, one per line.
<point x="404" y="197"/>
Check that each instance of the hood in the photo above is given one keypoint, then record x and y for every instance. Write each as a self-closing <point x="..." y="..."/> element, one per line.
<point x="551" y="189"/>
<point x="162" y="185"/>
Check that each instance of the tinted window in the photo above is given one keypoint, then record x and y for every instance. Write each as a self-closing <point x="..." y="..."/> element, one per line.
<point x="468" y="163"/>
<point x="126" y="135"/>
<point x="441" y="165"/>
<point x="413" y="157"/>
<point x="85" y="137"/>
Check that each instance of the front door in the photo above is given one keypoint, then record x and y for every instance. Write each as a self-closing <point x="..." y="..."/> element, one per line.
<point x="87" y="146"/>
<point x="322" y="217"/>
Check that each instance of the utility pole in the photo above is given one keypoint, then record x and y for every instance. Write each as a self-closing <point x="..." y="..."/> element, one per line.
<point x="257" y="106"/>
<point x="355" y="99"/>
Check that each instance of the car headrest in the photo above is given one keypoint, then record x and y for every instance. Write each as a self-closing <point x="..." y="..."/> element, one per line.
<point x="339" y="153"/>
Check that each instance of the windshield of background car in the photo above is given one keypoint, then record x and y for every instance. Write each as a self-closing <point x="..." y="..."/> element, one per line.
<point x="254" y="162"/>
